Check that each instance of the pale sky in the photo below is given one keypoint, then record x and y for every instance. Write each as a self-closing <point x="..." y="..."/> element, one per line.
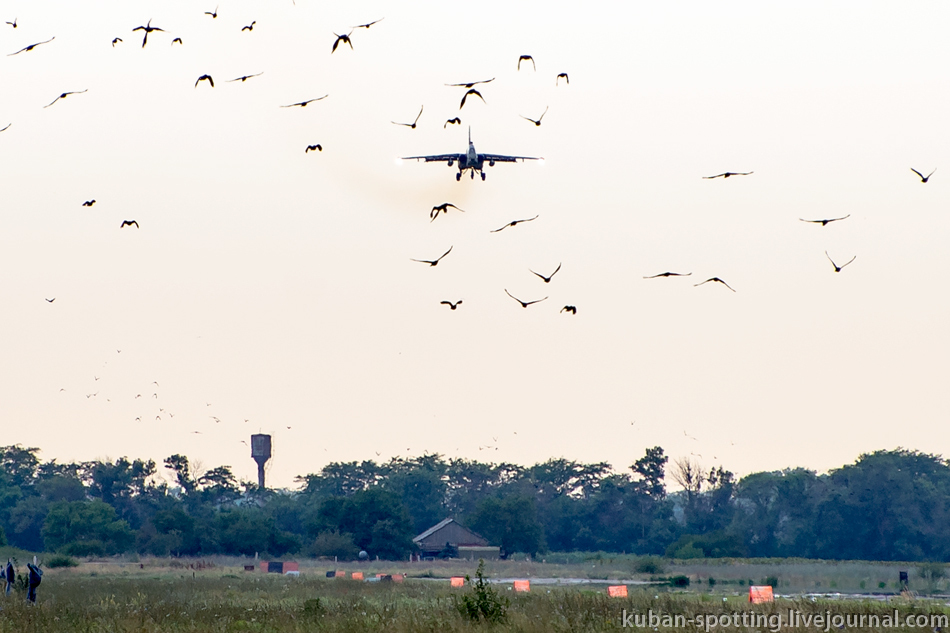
<point x="274" y="286"/>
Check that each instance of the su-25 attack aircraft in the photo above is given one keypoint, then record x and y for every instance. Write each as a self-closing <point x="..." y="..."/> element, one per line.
<point x="471" y="159"/>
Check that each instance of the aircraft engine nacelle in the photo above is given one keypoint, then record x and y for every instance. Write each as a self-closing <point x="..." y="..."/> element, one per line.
<point x="451" y="162"/>
<point x="491" y="163"/>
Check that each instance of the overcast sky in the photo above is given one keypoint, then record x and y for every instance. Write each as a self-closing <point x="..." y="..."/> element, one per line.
<point x="274" y="290"/>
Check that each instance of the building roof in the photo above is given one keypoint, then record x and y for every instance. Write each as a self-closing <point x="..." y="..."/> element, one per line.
<point x="457" y="534"/>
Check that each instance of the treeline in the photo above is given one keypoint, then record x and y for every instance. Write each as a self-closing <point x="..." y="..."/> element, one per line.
<point x="888" y="505"/>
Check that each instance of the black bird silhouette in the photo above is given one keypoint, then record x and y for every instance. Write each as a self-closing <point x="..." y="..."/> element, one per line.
<point x="249" y="27"/>
<point x="13" y="24"/>
<point x="524" y="304"/>
<point x="114" y="40"/>
<point x="524" y="57"/>
<point x="570" y="309"/>
<point x="442" y="208"/>
<point x="454" y="121"/>
<point x="244" y="78"/>
<point x="367" y="25"/>
<point x="547" y="279"/>
<point x="450" y="304"/>
<point x="922" y="177"/>
<point x="89" y="203"/>
<point x="669" y="274"/>
<point x="433" y="262"/>
<point x="316" y="147"/>
<point x="148" y="28"/>
<point x="303" y="104"/>
<point x="31" y="47"/>
<point x="413" y="124"/>
<point x="716" y="279"/>
<point x="177" y="39"/>
<point x="825" y="222"/>
<point x="471" y="91"/>
<point x="538" y="122"/>
<point x="213" y="14"/>
<point x="126" y="223"/>
<point x="513" y="223"/>
<point x="51" y="301"/>
<point x="471" y="83"/>
<point x="5" y="129"/>
<point x="205" y="78"/>
<point x="558" y="79"/>
<point x="63" y="96"/>
<point x="341" y="38"/>
<point x="726" y="174"/>
<point x="837" y="267"/>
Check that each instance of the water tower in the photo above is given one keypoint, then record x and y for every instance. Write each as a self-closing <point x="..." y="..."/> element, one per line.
<point x="260" y="451"/>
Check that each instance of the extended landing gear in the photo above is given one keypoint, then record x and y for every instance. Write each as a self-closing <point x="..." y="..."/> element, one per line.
<point x="483" y="176"/>
<point x="458" y="176"/>
<point x="473" y="174"/>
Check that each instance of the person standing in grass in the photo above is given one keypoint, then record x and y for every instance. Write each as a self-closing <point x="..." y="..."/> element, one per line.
<point x="9" y="575"/>
<point x="36" y="576"/>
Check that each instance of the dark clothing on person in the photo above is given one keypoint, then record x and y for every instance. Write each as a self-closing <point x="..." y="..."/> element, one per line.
<point x="10" y="576"/>
<point x="36" y="577"/>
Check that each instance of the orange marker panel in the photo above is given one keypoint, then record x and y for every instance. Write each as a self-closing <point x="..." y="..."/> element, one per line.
<point x="522" y="585"/>
<point x="457" y="581"/>
<point x="617" y="591"/>
<point x="758" y="595"/>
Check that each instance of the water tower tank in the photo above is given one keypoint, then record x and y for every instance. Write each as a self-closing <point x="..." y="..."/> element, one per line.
<point x="260" y="451"/>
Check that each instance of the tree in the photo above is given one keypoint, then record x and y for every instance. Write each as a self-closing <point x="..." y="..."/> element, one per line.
<point x="651" y="471"/>
<point x="376" y="518"/>
<point x="179" y="464"/>
<point x="510" y="522"/>
<point x="86" y="527"/>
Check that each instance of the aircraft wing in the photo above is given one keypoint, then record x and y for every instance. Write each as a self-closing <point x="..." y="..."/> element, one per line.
<point x="500" y="158"/>
<point x="437" y="158"/>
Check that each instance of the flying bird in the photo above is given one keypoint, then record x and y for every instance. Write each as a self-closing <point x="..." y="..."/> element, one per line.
<point x="177" y="39"/>
<point x="454" y="121"/>
<point x="342" y="38"/>
<point x="213" y="14"/>
<point x="837" y="267"/>
<point x="413" y="124"/>
<point x="558" y="79"/>
<point x="524" y="304"/>
<point x="54" y="299"/>
<point x="471" y="83"/>
<point x="571" y="309"/>
<point x="922" y="177"/>
<point x="513" y="223"/>
<point x="433" y="262"/>
<point x="538" y="122"/>
<point x="367" y="25"/>
<point x="31" y="47"/>
<point x="303" y="104"/>
<point x="148" y="28"/>
<point x="63" y="96"/>
<point x="89" y="203"/>
<point x="114" y="40"/>
<point x="316" y="147"/>
<point x="442" y="208"/>
<point x="244" y="78"/>
<point x="126" y="223"/>
<point x="727" y="174"/>
<point x="249" y="27"/>
<point x="471" y="91"/>
<point x="450" y="304"/>
<point x="669" y="274"/>
<point x="825" y="222"/>
<point x="718" y="280"/>
<point x="13" y="24"/>
<point x="547" y="279"/>
<point x="5" y="128"/>
<point x="526" y="57"/>
<point x="205" y="78"/>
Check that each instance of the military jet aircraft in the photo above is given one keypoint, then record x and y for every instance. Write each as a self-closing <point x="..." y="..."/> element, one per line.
<point x="471" y="160"/>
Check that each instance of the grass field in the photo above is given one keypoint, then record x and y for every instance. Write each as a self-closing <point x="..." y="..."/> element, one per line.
<point x="154" y="595"/>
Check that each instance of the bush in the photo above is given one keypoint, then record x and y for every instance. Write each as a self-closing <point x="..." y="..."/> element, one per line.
<point x="336" y="544"/>
<point x="483" y="603"/>
<point x="771" y="581"/>
<point x="649" y="565"/>
<point x="62" y="560"/>
<point x="679" y="581"/>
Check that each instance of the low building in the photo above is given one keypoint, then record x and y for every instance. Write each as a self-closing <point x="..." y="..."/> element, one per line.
<point x="450" y="539"/>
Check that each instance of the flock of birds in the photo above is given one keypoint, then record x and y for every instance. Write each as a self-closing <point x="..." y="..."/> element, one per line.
<point x="473" y="90"/>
